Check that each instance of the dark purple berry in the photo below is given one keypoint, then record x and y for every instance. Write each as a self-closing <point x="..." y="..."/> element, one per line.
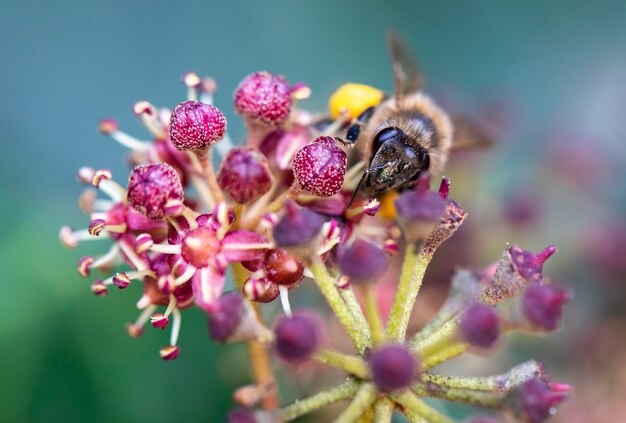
<point x="297" y="337"/>
<point x="480" y="325"/>
<point x="393" y="367"/>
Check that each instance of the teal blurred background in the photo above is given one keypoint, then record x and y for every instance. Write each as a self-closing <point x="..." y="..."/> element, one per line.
<point x="544" y="69"/>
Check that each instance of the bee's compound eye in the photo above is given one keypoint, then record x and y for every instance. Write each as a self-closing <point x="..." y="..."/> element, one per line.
<point x="424" y="159"/>
<point x="387" y="134"/>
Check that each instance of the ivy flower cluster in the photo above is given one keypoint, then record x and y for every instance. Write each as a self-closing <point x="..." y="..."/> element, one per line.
<point x="279" y="212"/>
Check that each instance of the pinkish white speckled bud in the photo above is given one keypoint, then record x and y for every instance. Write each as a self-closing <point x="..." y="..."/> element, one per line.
<point x="244" y="175"/>
<point x="264" y="97"/>
<point x="195" y="126"/>
<point x="320" y="167"/>
<point x="151" y="188"/>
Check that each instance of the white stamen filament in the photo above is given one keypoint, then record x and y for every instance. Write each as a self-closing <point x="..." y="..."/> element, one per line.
<point x="102" y="205"/>
<point x="141" y="274"/>
<point x="130" y="142"/>
<point x="187" y="274"/>
<point x="166" y="248"/>
<point x="206" y="98"/>
<point x="145" y="315"/>
<point x="192" y="94"/>
<point x="129" y="252"/>
<point x="107" y="258"/>
<point x="170" y="306"/>
<point x="151" y="122"/>
<point x="175" y="326"/>
<point x="113" y="190"/>
<point x="284" y="299"/>
<point x="190" y="216"/>
<point x="119" y="228"/>
<point x="202" y="189"/>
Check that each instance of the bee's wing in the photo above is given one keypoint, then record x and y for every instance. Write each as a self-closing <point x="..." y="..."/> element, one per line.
<point x="407" y="76"/>
<point x="471" y="133"/>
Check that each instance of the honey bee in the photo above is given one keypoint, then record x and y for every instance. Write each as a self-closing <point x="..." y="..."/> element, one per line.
<point x="407" y="134"/>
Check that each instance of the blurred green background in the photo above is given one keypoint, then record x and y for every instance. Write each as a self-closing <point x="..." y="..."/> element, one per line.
<point x="544" y="69"/>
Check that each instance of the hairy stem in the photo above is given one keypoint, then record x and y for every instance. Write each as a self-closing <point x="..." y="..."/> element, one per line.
<point x="373" y="314"/>
<point x="346" y="390"/>
<point x="409" y="285"/>
<point x="416" y="408"/>
<point x="467" y="396"/>
<point x="258" y="354"/>
<point x="383" y="410"/>
<point x="355" y="308"/>
<point x="363" y="399"/>
<point x="206" y="160"/>
<point x="327" y="286"/>
<point x="348" y="363"/>
<point x="444" y="355"/>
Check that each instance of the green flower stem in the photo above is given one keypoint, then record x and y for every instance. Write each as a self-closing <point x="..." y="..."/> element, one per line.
<point x="467" y="396"/>
<point x="346" y="390"/>
<point x="348" y="363"/>
<point x="383" y="410"/>
<point x="373" y="314"/>
<point x="355" y="308"/>
<point x="444" y="355"/>
<point x="441" y="318"/>
<point x="409" y="285"/>
<point x="329" y="289"/>
<point x="416" y="408"/>
<point x="362" y="401"/>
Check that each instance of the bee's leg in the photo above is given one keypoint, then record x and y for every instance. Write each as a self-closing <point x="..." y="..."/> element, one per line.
<point x="355" y="129"/>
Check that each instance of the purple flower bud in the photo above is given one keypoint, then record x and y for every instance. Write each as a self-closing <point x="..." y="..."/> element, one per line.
<point x="195" y="126"/>
<point x="234" y="320"/>
<point x="320" y="167"/>
<point x="299" y="227"/>
<point x="264" y="97"/>
<point x="151" y="187"/>
<point x="537" y="401"/>
<point x="419" y="211"/>
<point x="170" y="352"/>
<point x="362" y="261"/>
<point x="297" y="337"/>
<point x="480" y="325"/>
<point x="528" y="264"/>
<point x="244" y="175"/>
<point x="393" y="367"/>
<point x="542" y="305"/>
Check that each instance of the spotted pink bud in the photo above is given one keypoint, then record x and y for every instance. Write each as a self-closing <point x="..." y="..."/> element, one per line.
<point x="264" y="97"/>
<point x="393" y="367"/>
<point x="170" y="352"/>
<point x="159" y="320"/>
<point x="480" y="325"/>
<point x="121" y="280"/>
<point x="195" y="126"/>
<point x="320" y="167"/>
<point x="542" y="305"/>
<point x="244" y="175"/>
<point x="99" y="288"/>
<point x="84" y="266"/>
<point x="282" y="268"/>
<point x="152" y="188"/>
<point x="107" y="126"/>
<point x="297" y="337"/>
<point x="362" y="261"/>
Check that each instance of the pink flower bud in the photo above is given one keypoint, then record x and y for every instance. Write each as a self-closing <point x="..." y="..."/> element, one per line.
<point x="299" y="230"/>
<point x="195" y="126"/>
<point x="536" y="401"/>
<point x="297" y="337"/>
<point x="393" y="367"/>
<point x="320" y="167"/>
<point x="264" y="97"/>
<point x="282" y="268"/>
<point x="480" y="325"/>
<point x="362" y="261"/>
<point x="151" y="188"/>
<point x="244" y="175"/>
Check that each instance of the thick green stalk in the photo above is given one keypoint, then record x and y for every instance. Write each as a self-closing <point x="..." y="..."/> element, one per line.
<point x="360" y="336"/>
<point x="418" y="408"/>
<point x="467" y="396"/>
<point x="409" y="285"/>
<point x="348" y="363"/>
<point x="383" y="411"/>
<point x="301" y="407"/>
<point x="362" y="401"/>
<point x="373" y="314"/>
<point x="355" y="308"/>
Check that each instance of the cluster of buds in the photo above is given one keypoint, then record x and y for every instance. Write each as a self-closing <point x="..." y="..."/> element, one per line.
<point x="280" y="211"/>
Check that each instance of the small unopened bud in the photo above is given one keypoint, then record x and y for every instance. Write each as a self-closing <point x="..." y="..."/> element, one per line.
<point x="235" y="321"/>
<point x="121" y="280"/>
<point x="299" y="231"/>
<point x="419" y="211"/>
<point x="195" y="126"/>
<point x="84" y="266"/>
<point x="159" y="320"/>
<point x="297" y="337"/>
<point x="151" y="188"/>
<point x="479" y="325"/>
<point x="542" y="305"/>
<point x="99" y="288"/>
<point x="170" y="352"/>
<point x="264" y="97"/>
<point x="362" y="261"/>
<point x="244" y="175"/>
<point x="282" y="268"/>
<point x="393" y="367"/>
<point x="535" y="401"/>
<point x="320" y="167"/>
